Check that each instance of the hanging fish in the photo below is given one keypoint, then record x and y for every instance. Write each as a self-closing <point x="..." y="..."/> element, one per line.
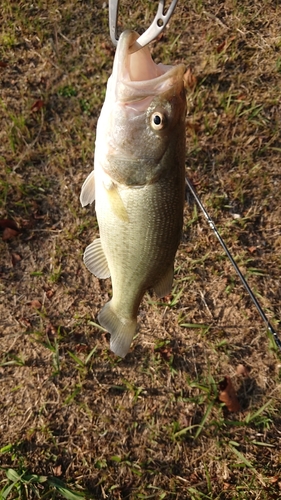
<point x="138" y="184"/>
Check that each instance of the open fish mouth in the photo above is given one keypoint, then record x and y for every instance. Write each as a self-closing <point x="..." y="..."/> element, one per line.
<point x="139" y="92"/>
<point x="136" y="77"/>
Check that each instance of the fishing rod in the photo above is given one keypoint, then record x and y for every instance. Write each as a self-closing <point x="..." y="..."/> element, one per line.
<point x="158" y="24"/>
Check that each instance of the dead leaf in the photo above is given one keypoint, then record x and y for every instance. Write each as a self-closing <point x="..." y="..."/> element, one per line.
<point x="226" y="486"/>
<point x="57" y="470"/>
<point x="193" y="127"/>
<point x="81" y="348"/>
<point x="8" y="223"/>
<point x="35" y="304"/>
<point x="49" y="293"/>
<point x="3" y="64"/>
<point x="25" y="322"/>
<point x="108" y="48"/>
<point x="189" y="79"/>
<point x="160" y="37"/>
<point x="51" y="331"/>
<point x="10" y="229"/>
<point x="227" y="395"/>
<point x="165" y="352"/>
<point x="242" y="370"/>
<point x="252" y="249"/>
<point x="225" y="44"/>
<point x="9" y="233"/>
<point x="15" y="258"/>
<point x="274" y="479"/>
<point x="37" y="106"/>
<point x="221" y="46"/>
<point x="241" y="97"/>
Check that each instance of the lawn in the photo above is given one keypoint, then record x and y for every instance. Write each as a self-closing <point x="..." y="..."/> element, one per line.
<point x="76" y="420"/>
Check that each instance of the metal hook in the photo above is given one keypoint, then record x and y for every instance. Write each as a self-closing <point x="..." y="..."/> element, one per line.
<point x="158" y="24"/>
<point x="113" y="17"/>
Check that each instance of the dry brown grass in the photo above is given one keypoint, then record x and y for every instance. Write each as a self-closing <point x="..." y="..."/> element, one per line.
<point x="148" y="426"/>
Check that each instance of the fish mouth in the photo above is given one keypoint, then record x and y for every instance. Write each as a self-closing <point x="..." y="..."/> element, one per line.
<point x="137" y="78"/>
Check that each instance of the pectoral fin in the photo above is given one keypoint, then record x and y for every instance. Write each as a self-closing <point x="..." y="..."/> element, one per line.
<point x="95" y="260"/>
<point x="164" y="286"/>
<point x="87" y="195"/>
<point x="116" y="203"/>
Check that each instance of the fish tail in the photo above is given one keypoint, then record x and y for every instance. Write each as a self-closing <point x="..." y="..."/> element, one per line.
<point x="122" y="330"/>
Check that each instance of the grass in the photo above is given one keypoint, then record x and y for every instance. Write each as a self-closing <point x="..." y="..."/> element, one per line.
<point x="24" y="486"/>
<point x="76" y="421"/>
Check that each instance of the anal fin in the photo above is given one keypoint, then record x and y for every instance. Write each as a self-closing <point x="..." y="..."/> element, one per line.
<point x="164" y="285"/>
<point x="95" y="260"/>
<point x="116" y="203"/>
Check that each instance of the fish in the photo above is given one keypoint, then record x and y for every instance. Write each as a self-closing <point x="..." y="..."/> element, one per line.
<point x="138" y="185"/>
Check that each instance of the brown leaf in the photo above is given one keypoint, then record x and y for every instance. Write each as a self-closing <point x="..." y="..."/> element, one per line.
<point x="193" y="126"/>
<point x="37" y="106"/>
<point x="165" y="352"/>
<point x="51" y="331"/>
<point x="8" y="223"/>
<point x="221" y="46"/>
<point x="25" y="322"/>
<point x="242" y="370"/>
<point x="109" y="49"/>
<point x="274" y="479"/>
<point x="225" y="44"/>
<point x="227" y="395"/>
<point x="35" y="304"/>
<point x="81" y="348"/>
<point x="15" y="258"/>
<point x="226" y="486"/>
<point x="3" y="64"/>
<point x="49" y="293"/>
<point x="189" y="79"/>
<point x="9" y="233"/>
<point x="57" y="470"/>
<point x="252" y="249"/>
<point x="10" y="229"/>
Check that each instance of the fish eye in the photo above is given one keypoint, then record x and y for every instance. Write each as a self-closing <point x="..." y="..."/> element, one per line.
<point x="158" y="120"/>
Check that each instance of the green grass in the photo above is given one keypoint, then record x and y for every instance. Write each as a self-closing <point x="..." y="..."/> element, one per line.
<point x="24" y="486"/>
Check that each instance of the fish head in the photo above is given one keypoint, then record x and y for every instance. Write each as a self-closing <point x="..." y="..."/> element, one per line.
<point x="143" y="114"/>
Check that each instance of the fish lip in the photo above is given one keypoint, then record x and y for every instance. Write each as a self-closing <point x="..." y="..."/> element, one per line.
<point x="128" y="89"/>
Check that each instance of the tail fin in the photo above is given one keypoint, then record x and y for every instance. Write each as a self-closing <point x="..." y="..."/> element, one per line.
<point x="121" y="330"/>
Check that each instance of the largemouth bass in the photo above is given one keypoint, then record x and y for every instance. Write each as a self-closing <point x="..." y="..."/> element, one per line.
<point x="138" y="184"/>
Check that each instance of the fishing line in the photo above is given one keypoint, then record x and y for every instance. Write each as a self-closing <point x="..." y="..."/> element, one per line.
<point x="243" y="280"/>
